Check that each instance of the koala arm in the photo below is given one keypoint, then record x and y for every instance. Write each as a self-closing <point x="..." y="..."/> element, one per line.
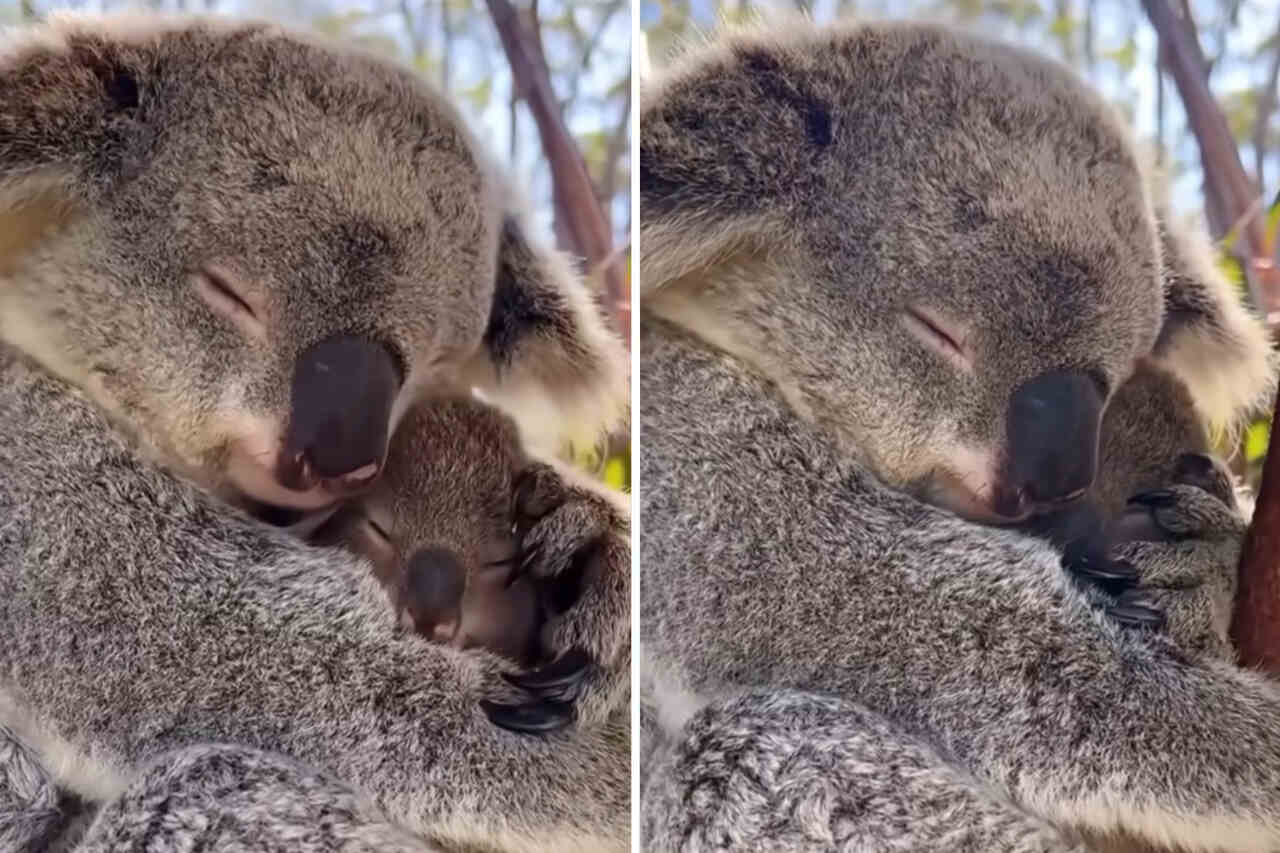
<point x="789" y="771"/>
<point x="145" y="617"/>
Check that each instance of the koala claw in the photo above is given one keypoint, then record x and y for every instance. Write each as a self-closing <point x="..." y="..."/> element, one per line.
<point x="1156" y="498"/>
<point x="531" y="718"/>
<point x="1135" y="609"/>
<point x="1091" y="565"/>
<point x="559" y="681"/>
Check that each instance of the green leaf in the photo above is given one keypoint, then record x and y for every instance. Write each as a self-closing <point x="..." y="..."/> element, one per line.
<point x="1256" y="440"/>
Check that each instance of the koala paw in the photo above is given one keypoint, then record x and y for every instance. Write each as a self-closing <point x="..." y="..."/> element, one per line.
<point x="1185" y="543"/>
<point x="553" y="690"/>
<point x="574" y="542"/>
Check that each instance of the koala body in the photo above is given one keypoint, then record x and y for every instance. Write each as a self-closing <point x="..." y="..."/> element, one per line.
<point x="233" y="258"/>
<point x="889" y="299"/>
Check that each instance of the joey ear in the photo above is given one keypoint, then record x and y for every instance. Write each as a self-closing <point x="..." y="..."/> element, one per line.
<point x="1215" y="345"/>
<point x="548" y="357"/>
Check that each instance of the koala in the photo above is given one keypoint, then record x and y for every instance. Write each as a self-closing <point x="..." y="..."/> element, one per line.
<point x="441" y="529"/>
<point x="234" y="258"/>
<point x="891" y="277"/>
<point x="1152" y="436"/>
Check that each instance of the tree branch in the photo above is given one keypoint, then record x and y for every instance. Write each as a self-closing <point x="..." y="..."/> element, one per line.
<point x="573" y="195"/>
<point x="1266" y="106"/>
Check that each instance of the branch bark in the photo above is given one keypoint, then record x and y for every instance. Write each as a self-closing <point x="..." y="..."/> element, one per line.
<point x="1225" y="177"/>
<point x="573" y="195"/>
<point x="1266" y="106"/>
<point x="1255" y="629"/>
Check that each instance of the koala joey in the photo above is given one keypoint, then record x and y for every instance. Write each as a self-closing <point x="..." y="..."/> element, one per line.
<point x="442" y="529"/>
<point x="892" y="275"/>
<point x="1152" y="437"/>
<point x="232" y="258"/>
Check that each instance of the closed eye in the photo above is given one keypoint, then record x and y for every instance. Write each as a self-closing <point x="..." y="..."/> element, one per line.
<point x="219" y="291"/>
<point x="378" y="531"/>
<point x="938" y="336"/>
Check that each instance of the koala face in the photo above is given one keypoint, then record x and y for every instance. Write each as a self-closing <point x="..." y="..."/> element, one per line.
<point x="939" y="248"/>
<point x="257" y="251"/>
<point x="439" y="528"/>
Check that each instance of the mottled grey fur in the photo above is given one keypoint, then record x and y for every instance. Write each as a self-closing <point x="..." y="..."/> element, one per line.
<point x="142" y="614"/>
<point x="800" y="583"/>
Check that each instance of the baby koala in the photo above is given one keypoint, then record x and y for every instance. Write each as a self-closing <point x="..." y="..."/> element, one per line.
<point x="1152" y="438"/>
<point x="441" y="529"/>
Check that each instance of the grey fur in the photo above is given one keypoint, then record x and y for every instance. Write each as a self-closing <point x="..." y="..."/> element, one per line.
<point x="143" y="616"/>
<point x="794" y="433"/>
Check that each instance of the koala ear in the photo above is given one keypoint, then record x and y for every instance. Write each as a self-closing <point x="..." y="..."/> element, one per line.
<point x="548" y="357"/>
<point x="1216" y="346"/>
<point x="72" y="104"/>
<point x="73" y="95"/>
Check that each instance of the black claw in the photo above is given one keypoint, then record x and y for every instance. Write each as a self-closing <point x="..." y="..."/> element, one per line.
<point x="528" y="559"/>
<point x="559" y="681"/>
<point x="1155" y="498"/>
<point x="1106" y="571"/>
<point x="535" y="718"/>
<point x="1134" y="609"/>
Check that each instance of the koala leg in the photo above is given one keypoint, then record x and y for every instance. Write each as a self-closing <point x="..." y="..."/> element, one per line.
<point x="241" y="800"/>
<point x="575" y="542"/>
<point x="34" y="810"/>
<point x="790" y="771"/>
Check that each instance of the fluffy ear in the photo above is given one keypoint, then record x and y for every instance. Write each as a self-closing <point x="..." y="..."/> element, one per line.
<point x="549" y="357"/>
<point x="1209" y="339"/>
<point x="74" y="95"/>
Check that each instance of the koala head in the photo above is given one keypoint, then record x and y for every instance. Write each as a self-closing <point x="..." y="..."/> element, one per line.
<point x="439" y="528"/>
<point x="257" y="251"/>
<point x="939" y="248"/>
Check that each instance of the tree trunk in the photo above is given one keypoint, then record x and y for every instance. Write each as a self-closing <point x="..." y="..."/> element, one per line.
<point x="573" y="196"/>
<point x="1219" y="156"/>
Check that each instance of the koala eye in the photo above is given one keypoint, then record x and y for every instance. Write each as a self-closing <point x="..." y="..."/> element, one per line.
<point x="378" y="531"/>
<point x="218" y="289"/>
<point x="936" y="334"/>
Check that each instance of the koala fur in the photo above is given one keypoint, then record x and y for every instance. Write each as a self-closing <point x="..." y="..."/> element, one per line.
<point x="861" y="246"/>
<point x="192" y="212"/>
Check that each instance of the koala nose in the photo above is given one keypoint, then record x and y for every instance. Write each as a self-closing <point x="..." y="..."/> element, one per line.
<point x="343" y="390"/>
<point x="434" y="582"/>
<point x="1053" y="424"/>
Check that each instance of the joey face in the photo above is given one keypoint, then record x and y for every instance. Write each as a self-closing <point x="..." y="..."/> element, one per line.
<point x="265" y="250"/>
<point x="439" y="529"/>
<point x="940" y="249"/>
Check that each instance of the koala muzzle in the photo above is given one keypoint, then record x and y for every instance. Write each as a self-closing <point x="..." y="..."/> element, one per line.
<point x="434" y="582"/>
<point x="1052" y="429"/>
<point x="343" y="391"/>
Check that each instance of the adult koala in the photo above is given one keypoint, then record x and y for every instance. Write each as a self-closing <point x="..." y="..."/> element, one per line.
<point x="231" y="258"/>
<point x="891" y="276"/>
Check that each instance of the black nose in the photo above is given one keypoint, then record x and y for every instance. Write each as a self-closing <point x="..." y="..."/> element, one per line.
<point x="434" y="582"/>
<point x="343" y="390"/>
<point x="1053" y="424"/>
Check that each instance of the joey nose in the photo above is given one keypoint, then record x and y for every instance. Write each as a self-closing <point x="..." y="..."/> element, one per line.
<point x="434" y="582"/>
<point x="1052" y="429"/>
<point x="340" y="413"/>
